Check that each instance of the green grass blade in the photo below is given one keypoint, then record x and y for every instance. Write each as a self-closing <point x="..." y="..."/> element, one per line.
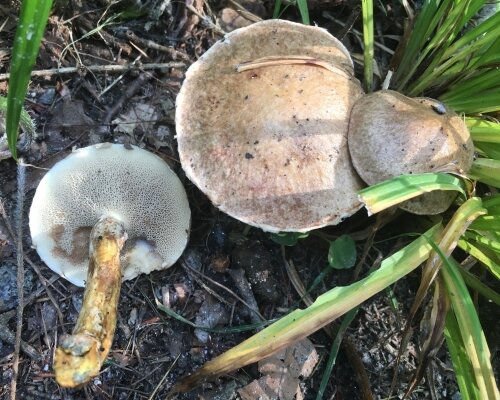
<point x="425" y="23"/>
<point x="327" y="307"/>
<point x="491" y="201"/>
<point x="482" y="130"/>
<point x="277" y="9"/>
<point x="482" y="256"/>
<point x="470" y="85"/>
<point x="481" y="103"/>
<point x="487" y="242"/>
<point x="471" y="331"/>
<point x="33" y="18"/>
<point x="304" y="11"/>
<point x="367" y="10"/>
<point x="392" y="192"/>
<point x="461" y="364"/>
<point x="438" y="71"/>
<point x="490" y="150"/>
<point x="486" y="170"/>
<point x="332" y="358"/>
<point x="475" y="283"/>
<point x="25" y="120"/>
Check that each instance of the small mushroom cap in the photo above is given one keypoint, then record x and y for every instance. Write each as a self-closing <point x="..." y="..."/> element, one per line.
<point x="391" y="134"/>
<point x="129" y="184"/>
<point x="268" y="145"/>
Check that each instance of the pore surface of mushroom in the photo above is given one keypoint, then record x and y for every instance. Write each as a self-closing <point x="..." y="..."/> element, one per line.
<point x="103" y="214"/>
<point x="262" y="122"/>
<point x="391" y="134"/>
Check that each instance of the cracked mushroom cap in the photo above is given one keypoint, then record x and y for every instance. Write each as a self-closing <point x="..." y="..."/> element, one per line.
<point x="268" y="144"/>
<point x="129" y="184"/>
<point x="391" y="134"/>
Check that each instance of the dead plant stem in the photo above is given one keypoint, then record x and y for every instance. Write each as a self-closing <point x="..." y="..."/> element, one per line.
<point x="101" y="68"/>
<point x="21" y="180"/>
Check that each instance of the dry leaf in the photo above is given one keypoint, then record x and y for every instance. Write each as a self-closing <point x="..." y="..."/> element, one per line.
<point x="282" y="373"/>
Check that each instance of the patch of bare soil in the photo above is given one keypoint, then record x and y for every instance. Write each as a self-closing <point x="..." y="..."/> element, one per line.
<point x="126" y="62"/>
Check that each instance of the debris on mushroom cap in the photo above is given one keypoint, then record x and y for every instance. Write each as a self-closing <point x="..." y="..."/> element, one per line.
<point x="268" y="145"/>
<point x="391" y="134"/>
<point x="131" y="185"/>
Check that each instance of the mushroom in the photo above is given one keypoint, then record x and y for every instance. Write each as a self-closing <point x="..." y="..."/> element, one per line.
<point x="391" y="134"/>
<point x="92" y="201"/>
<point x="262" y="121"/>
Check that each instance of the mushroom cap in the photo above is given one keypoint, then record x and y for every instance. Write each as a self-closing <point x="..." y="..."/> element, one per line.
<point x="268" y="145"/>
<point x="129" y="184"/>
<point x="391" y="134"/>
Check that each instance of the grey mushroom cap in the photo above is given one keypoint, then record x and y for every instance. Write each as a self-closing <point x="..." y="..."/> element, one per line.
<point x="268" y="145"/>
<point x="132" y="185"/>
<point x="391" y="134"/>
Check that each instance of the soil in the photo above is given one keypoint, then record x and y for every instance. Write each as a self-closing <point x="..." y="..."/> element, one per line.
<point x="151" y="350"/>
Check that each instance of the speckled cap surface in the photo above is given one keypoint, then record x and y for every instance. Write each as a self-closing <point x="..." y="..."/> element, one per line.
<point x="129" y="184"/>
<point x="391" y="134"/>
<point x="268" y="145"/>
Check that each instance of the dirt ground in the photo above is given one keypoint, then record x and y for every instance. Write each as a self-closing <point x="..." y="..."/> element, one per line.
<point x="152" y="350"/>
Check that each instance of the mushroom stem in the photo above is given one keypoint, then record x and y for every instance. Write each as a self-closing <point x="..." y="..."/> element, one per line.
<point x="80" y="356"/>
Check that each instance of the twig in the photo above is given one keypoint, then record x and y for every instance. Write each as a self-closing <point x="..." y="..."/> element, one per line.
<point x="175" y="54"/>
<point x="101" y="68"/>
<point x="206" y="20"/>
<point x="21" y="181"/>
<point x="9" y="337"/>
<point x="186" y="266"/>
<point x="241" y="282"/>
<point x="44" y="281"/>
<point x="105" y="36"/>
<point x="131" y="91"/>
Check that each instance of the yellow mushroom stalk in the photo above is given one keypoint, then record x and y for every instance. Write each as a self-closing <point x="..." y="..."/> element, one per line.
<point x="80" y="356"/>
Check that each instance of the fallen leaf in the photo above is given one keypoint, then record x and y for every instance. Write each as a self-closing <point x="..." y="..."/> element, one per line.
<point x="282" y="374"/>
<point x="139" y="116"/>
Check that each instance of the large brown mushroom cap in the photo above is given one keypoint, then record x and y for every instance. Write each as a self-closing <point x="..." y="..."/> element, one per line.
<point x="391" y="134"/>
<point x="269" y="145"/>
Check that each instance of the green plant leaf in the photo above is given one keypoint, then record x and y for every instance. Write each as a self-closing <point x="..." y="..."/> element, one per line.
<point x="461" y="363"/>
<point x="482" y="130"/>
<point x="33" y="18"/>
<point x="368" y="53"/>
<point x="342" y="253"/>
<point x="482" y="255"/>
<point x="471" y="331"/>
<point x="486" y="170"/>
<point x="288" y="238"/>
<point x="304" y="11"/>
<point x="394" y="191"/>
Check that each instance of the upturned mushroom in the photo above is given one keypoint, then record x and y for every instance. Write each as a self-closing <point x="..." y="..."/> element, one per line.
<point x="105" y="213"/>
<point x="391" y="134"/>
<point x="262" y="122"/>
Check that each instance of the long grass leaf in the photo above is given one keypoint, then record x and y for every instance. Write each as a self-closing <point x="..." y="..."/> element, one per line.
<point x="482" y="256"/>
<point x="304" y="11"/>
<point x="475" y="283"/>
<point x="327" y="307"/>
<point x="482" y="130"/>
<point x="367" y="11"/>
<point x="461" y="364"/>
<point x="486" y="170"/>
<point x="471" y="331"/>
<point x="392" y="192"/>
<point x="33" y="18"/>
